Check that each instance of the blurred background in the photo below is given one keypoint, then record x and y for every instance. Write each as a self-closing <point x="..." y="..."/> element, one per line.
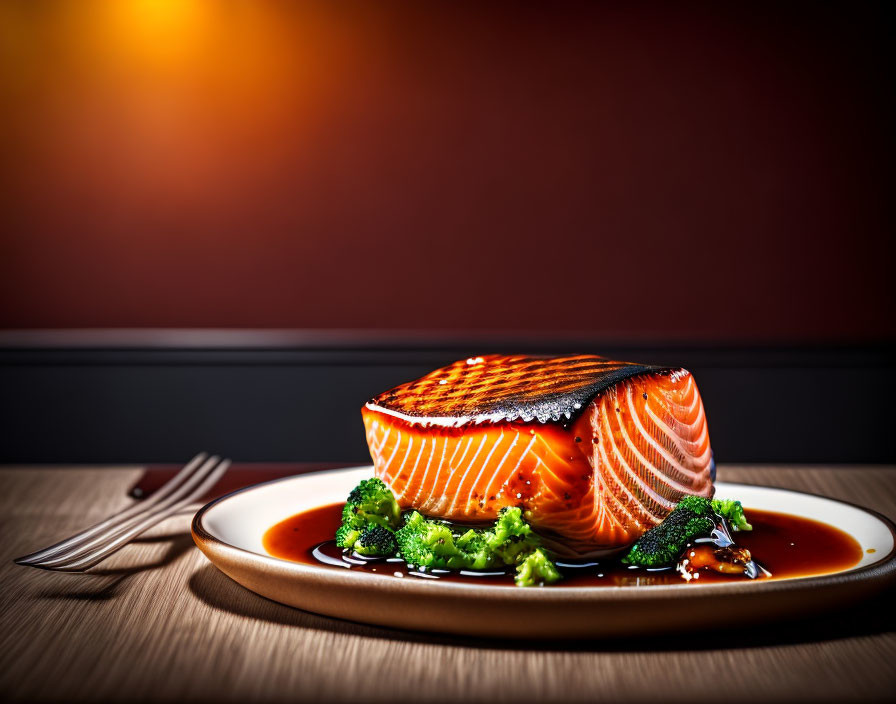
<point x="225" y="225"/>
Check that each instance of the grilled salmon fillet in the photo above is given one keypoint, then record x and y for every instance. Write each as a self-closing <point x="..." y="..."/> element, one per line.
<point x="593" y="451"/>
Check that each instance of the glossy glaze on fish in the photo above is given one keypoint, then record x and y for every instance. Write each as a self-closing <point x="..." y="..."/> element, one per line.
<point x="594" y="451"/>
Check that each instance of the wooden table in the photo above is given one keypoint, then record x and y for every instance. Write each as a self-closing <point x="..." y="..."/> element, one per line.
<point x="158" y="623"/>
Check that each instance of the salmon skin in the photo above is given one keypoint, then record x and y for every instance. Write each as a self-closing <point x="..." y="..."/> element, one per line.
<point x="593" y="451"/>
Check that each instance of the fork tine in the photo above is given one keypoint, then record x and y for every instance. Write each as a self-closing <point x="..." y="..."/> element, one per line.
<point x="99" y="539"/>
<point x="115" y="543"/>
<point x="129" y="512"/>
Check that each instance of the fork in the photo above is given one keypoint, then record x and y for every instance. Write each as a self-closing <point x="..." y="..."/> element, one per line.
<point x="88" y="548"/>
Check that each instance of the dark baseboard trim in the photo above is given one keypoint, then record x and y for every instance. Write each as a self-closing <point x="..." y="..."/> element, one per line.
<point x="159" y="396"/>
<point x="251" y="347"/>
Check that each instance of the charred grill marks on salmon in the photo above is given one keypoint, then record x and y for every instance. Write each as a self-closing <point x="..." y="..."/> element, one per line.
<point x="496" y="388"/>
<point x="593" y="451"/>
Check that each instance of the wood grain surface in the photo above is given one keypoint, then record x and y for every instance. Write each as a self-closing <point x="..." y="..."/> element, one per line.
<point x="157" y="622"/>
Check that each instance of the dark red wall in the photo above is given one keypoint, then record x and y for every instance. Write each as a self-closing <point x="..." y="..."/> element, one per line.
<point x="718" y="171"/>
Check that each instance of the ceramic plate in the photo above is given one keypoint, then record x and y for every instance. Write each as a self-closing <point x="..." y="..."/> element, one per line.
<point x="229" y="531"/>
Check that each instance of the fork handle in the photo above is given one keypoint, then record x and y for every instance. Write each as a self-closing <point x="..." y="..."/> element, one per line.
<point x="115" y="518"/>
<point x="107" y="548"/>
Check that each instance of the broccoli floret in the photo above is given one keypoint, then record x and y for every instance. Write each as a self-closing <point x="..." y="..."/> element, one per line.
<point x="694" y="516"/>
<point x="371" y="502"/>
<point x="376" y="541"/>
<point x="510" y="541"/>
<point x="370" y="505"/>
<point x="347" y="536"/>
<point x="697" y="504"/>
<point x="733" y="511"/>
<point x="512" y="538"/>
<point x="370" y="526"/>
<point x="427" y="543"/>
<point x="536" y="569"/>
<point x="661" y="545"/>
<point x="474" y="545"/>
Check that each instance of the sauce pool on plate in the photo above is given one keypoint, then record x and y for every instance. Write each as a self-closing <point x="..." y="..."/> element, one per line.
<point x="785" y="545"/>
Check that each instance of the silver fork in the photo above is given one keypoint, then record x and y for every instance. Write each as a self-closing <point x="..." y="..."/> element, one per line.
<point x="83" y="550"/>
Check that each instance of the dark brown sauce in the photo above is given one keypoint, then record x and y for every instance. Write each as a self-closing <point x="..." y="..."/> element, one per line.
<point x="785" y="545"/>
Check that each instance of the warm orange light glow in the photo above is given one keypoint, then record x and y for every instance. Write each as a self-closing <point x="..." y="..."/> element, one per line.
<point x="172" y="99"/>
<point x="305" y="148"/>
<point x="159" y="32"/>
